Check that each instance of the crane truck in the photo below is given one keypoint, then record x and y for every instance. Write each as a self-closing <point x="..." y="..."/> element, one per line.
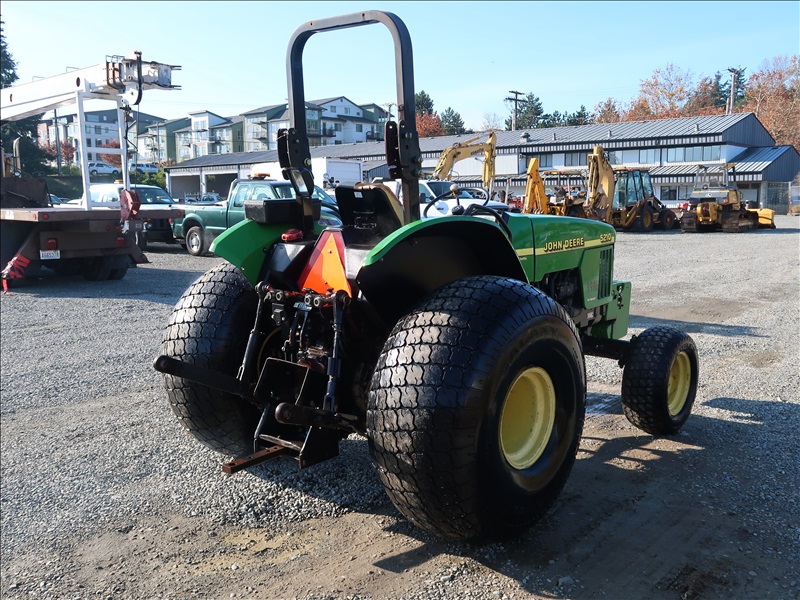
<point x="92" y="238"/>
<point x="455" y="345"/>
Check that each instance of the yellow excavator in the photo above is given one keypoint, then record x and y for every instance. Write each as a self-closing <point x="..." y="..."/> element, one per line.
<point x="460" y="151"/>
<point x="716" y="203"/>
<point x="536" y="200"/>
<point x="623" y="197"/>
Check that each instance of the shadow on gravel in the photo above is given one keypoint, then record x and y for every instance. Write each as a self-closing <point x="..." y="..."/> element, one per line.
<point x="639" y="321"/>
<point x="635" y="510"/>
<point x="163" y="286"/>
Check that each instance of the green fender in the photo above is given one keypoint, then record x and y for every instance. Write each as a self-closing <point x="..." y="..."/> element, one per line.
<point x="425" y="255"/>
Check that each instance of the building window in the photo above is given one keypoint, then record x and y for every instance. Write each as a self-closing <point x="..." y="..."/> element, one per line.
<point x="333" y="109"/>
<point x="649" y="155"/>
<point x="88" y="142"/>
<point x="337" y="126"/>
<point x="359" y="128"/>
<point x="98" y="129"/>
<point x="347" y="110"/>
<point x="545" y="160"/>
<point x="575" y="159"/>
<point x="675" y="155"/>
<point x="712" y="152"/>
<point x="614" y="157"/>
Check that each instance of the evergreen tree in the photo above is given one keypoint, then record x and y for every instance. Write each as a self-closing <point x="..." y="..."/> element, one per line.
<point x="32" y="157"/>
<point x="579" y="117"/>
<point x="529" y="111"/>
<point x="423" y="102"/>
<point x="452" y="123"/>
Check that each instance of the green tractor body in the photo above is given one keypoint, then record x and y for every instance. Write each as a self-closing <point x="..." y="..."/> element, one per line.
<point x="455" y="345"/>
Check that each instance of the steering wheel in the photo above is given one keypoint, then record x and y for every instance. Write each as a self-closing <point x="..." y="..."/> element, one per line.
<point x="452" y="190"/>
<point x="474" y="209"/>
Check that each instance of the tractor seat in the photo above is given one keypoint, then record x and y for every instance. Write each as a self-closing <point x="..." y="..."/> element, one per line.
<point x="369" y="212"/>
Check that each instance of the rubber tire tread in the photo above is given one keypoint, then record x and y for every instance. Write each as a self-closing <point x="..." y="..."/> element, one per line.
<point x="209" y="326"/>
<point x="424" y="417"/>
<point x="645" y="379"/>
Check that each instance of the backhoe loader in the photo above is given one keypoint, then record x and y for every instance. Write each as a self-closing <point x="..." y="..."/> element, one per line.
<point x="623" y="197"/>
<point x="716" y="204"/>
<point x="537" y="202"/>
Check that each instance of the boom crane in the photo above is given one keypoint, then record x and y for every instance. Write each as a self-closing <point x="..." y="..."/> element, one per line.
<point x="76" y="239"/>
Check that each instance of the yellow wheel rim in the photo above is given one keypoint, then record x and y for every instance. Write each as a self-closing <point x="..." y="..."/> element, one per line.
<point x="526" y="420"/>
<point x="680" y="378"/>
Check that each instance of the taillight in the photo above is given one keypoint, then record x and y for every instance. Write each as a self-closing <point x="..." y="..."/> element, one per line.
<point x="52" y="244"/>
<point x="120" y="242"/>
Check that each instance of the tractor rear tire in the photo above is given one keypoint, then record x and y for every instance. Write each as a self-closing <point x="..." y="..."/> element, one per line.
<point x="476" y="409"/>
<point x="209" y="327"/>
<point x="659" y="381"/>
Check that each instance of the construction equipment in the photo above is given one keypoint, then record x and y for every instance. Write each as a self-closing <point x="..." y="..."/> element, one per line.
<point x="537" y="202"/>
<point x="467" y="149"/>
<point x="716" y="203"/>
<point x="623" y="197"/>
<point x="94" y="238"/>
<point x="455" y="345"/>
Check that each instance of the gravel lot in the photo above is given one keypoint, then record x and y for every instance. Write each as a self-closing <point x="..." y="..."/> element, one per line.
<point x="103" y="495"/>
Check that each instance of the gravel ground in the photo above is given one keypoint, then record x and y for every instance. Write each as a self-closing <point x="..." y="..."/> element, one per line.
<point x="103" y="495"/>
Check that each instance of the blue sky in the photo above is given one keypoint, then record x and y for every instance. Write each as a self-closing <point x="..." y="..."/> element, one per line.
<point x="467" y="55"/>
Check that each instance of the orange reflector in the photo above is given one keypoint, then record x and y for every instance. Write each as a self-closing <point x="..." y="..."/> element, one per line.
<point x="52" y="244"/>
<point x="325" y="270"/>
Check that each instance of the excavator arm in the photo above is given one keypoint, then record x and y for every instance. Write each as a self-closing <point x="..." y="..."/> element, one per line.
<point x="600" y="185"/>
<point x="461" y="150"/>
<point x="536" y="200"/>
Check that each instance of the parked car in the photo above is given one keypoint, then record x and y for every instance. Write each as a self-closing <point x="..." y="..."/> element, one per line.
<point x="103" y="168"/>
<point x="145" y="168"/>
<point x="155" y="230"/>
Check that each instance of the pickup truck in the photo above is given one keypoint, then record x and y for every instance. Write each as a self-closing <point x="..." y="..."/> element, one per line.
<point x="201" y="223"/>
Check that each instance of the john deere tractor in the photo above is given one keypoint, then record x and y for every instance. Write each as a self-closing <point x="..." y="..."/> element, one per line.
<point x="455" y="345"/>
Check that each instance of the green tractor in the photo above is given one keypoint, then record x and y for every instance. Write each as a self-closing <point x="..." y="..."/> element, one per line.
<point x="455" y="345"/>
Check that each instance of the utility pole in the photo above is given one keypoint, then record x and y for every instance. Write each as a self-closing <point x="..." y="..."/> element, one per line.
<point x="732" y="96"/>
<point x="516" y="101"/>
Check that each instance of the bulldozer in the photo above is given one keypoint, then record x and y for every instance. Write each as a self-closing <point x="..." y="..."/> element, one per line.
<point x="716" y="204"/>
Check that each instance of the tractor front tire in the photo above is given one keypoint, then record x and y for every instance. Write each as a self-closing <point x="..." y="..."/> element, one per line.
<point x="659" y="381"/>
<point x="476" y="409"/>
<point x="209" y="327"/>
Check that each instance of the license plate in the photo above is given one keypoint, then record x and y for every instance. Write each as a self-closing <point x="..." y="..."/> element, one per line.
<point x="49" y="254"/>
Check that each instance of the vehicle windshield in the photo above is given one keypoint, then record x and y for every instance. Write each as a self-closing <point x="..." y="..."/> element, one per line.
<point x="154" y="195"/>
<point x="443" y="187"/>
<point x="286" y="190"/>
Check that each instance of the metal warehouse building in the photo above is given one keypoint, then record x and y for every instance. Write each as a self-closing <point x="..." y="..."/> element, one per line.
<point x="669" y="148"/>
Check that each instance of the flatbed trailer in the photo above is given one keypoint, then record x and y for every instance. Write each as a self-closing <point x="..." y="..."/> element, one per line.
<point x="90" y="238"/>
<point x="70" y="241"/>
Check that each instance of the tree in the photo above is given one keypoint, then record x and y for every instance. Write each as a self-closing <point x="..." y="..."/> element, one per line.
<point x="773" y="94"/>
<point x="67" y="151"/>
<point x="491" y="122"/>
<point x="664" y="95"/>
<point x="423" y="103"/>
<point x="580" y="117"/>
<point x="607" y="111"/>
<point x="555" y="119"/>
<point x="33" y="158"/>
<point x="429" y="125"/>
<point x="452" y="123"/>
<point x="115" y="160"/>
<point x="706" y="99"/>
<point x="529" y="111"/>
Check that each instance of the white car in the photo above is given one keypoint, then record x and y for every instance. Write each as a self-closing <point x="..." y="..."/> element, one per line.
<point x="145" y="168"/>
<point x="103" y="168"/>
